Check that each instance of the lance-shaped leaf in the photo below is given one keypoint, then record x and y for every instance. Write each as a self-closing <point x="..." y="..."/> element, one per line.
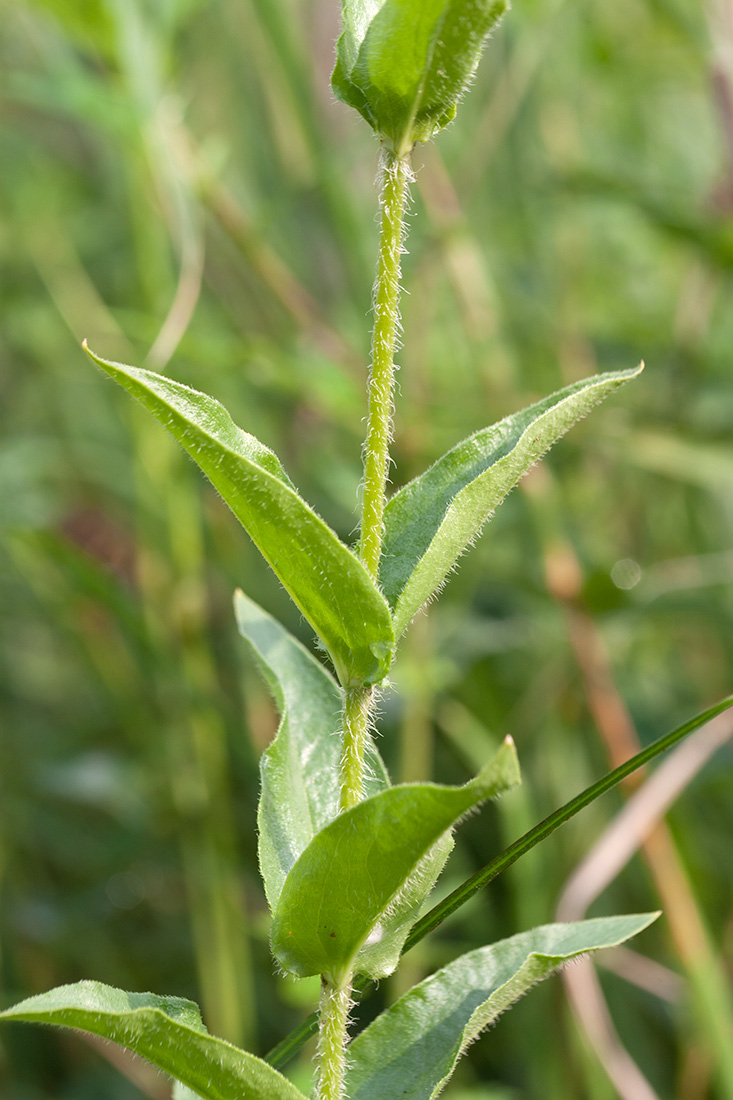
<point x="430" y="522"/>
<point x="299" y="771"/>
<point x="404" y="64"/>
<point x="337" y="907"/>
<point x="167" y="1031"/>
<point x="327" y="582"/>
<point x="411" y="1050"/>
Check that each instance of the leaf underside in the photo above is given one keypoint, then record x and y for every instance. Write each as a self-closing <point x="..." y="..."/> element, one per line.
<point x="299" y="771"/>
<point x="324" y="578"/>
<point x="433" y="519"/>
<point x="336" y="907"/>
<point x="167" y="1031"/>
<point x="411" y="1050"/>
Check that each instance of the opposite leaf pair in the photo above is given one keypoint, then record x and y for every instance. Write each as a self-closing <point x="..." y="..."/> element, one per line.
<point x="344" y="888"/>
<point x="428" y="524"/>
<point x="409" y="1051"/>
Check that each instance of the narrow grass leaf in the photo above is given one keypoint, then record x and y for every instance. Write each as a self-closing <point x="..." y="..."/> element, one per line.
<point x="167" y="1031"/>
<point x="412" y="1049"/>
<point x="432" y="520"/>
<point x="404" y="64"/>
<point x="327" y="582"/>
<point x="299" y="771"/>
<point x="547" y="826"/>
<point x="336" y="907"/>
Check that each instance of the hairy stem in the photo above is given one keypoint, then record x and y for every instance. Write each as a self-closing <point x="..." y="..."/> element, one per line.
<point x="334" y="1017"/>
<point x="395" y="176"/>
<point x="357" y="705"/>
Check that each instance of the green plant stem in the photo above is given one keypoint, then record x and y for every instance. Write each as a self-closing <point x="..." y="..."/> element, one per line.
<point x="334" y="1019"/>
<point x="395" y="174"/>
<point x="291" y="1044"/>
<point x="357" y="705"/>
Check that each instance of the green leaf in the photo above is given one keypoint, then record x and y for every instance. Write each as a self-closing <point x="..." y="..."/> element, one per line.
<point x="167" y="1031"/>
<point x="300" y="769"/>
<point x="327" y="582"/>
<point x="412" y="1049"/>
<point x="404" y="64"/>
<point x="380" y="954"/>
<point x="292" y="1043"/>
<point x="430" y="522"/>
<point x="183" y="1092"/>
<point x="336" y="909"/>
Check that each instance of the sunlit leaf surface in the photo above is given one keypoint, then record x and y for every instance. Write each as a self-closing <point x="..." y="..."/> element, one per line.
<point x="327" y="582"/>
<point x="433" y="520"/>
<point x="167" y="1031"/>
<point x="335" y="907"/>
<point x="411" y="1050"/>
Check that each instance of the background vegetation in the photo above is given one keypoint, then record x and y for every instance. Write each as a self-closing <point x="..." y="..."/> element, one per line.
<point x="179" y="187"/>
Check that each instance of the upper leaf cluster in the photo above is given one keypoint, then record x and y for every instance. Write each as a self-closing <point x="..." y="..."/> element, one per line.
<point x="404" y="64"/>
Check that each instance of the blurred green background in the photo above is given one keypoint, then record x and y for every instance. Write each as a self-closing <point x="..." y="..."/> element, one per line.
<point x="178" y="186"/>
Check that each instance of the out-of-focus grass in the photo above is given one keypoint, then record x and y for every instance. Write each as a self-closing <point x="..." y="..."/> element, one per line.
<point x="183" y="162"/>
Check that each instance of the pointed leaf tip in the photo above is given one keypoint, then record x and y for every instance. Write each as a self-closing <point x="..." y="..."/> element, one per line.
<point x="327" y="582"/>
<point x="504" y="766"/>
<point x="339" y="911"/>
<point x="434" y="519"/>
<point x="412" y="1049"/>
